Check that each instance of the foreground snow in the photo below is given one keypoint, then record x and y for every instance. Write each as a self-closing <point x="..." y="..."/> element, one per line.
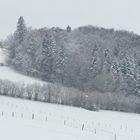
<point x="22" y="119"/>
<point x="6" y="73"/>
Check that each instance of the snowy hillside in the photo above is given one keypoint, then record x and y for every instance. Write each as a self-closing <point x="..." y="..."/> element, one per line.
<point x="21" y="119"/>
<point x="2" y="55"/>
<point x="7" y="73"/>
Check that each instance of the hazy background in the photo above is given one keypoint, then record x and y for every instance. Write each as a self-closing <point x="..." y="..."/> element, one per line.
<point x="118" y="14"/>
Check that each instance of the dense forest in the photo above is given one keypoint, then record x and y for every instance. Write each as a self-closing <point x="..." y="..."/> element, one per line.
<point x="87" y="58"/>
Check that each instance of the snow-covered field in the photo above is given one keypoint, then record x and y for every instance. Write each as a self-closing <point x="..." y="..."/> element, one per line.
<point x="7" y="73"/>
<point x="22" y="119"/>
<point x="27" y="120"/>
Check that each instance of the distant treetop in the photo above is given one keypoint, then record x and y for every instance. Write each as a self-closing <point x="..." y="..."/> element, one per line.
<point x="69" y="29"/>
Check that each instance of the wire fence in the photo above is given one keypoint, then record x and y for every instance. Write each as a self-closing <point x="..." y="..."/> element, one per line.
<point x="96" y="128"/>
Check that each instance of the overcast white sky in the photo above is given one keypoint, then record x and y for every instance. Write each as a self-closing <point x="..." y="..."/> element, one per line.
<point x="118" y="14"/>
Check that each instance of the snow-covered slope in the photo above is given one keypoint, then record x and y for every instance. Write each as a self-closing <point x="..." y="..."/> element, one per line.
<point x="2" y="55"/>
<point x="22" y="119"/>
<point x="7" y="73"/>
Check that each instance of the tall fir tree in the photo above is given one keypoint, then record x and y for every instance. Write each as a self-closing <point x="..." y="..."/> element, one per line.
<point x="16" y="46"/>
<point x="60" y="64"/>
<point x="68" y="28"/>
<point x="21" y="30"/>
<point x="48" y="57"/>
<point x="93" y="64"/>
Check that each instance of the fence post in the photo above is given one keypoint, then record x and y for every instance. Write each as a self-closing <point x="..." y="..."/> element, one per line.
<point x="12" y="114"/>
<point x="95" y="131"/>
<point x="46" y="118"/>
<point x="64" y="122"/>
<point x="2" y="113"/>
<point x="82" y="127"/>
<point x="33" y="116"/>
<point x="21" y="115"/>
<point x="115" y="137"/>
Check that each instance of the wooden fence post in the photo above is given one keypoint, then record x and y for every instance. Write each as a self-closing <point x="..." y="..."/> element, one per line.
<point x="33" y="116"/>
<point x="21" y="115"/>
<point x="12" y="114"/>
<point x="115" y="137"/>
<point x="95" y="131"/>
<point x="64" y="122"/>
<point x="82" y="127"/>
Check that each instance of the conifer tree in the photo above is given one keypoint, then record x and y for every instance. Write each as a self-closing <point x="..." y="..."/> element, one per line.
<point x="21" y="30"/>
<point x="60" y="64"/>
<point x="48" y="56"/>
<point x="68" y="29"/>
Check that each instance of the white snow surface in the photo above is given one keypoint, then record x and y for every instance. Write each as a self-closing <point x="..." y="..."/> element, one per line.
<point x="57" y="122"/>
<point x="7" y="73"/>
<point x="2" y="55"/>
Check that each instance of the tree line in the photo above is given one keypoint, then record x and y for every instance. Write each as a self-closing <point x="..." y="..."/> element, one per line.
<point x="87" y="58"/>
<point x="56" y="94"/>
